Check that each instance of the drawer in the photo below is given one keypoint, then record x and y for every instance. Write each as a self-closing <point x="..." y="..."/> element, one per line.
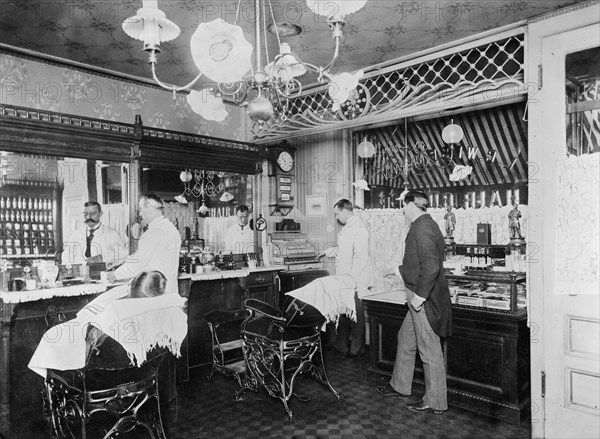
<point x="258" y="279"/>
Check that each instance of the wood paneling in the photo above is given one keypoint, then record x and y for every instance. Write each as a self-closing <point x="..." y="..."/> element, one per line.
<point x="323" y="167"/>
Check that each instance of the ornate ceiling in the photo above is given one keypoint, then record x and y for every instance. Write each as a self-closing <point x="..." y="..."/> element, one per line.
<point x="89" y="31"/>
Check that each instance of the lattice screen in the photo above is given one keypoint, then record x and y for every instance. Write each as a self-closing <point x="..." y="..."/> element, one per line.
<point x="482" y="72"/>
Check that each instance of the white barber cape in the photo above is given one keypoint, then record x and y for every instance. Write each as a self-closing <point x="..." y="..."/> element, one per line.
<point x="138" y="325"/>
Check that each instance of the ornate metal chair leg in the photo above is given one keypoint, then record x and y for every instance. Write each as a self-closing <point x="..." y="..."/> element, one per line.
<point x="324" y="378"/>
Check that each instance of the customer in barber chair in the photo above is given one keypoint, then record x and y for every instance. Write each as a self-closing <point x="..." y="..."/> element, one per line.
<point x="137" y="316"/>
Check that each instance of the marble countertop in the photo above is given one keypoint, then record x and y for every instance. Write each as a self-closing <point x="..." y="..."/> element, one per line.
<point x="393" y="296"/>
<point x="58" y="291"/>
<point x="229" y="274"/>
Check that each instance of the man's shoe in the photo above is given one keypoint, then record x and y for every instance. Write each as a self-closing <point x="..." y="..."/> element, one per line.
<point x="390" y="391"/>
<point x="421" y="407"/>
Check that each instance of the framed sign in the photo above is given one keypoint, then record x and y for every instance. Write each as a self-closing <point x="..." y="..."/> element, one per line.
<point x="316" y="205"/>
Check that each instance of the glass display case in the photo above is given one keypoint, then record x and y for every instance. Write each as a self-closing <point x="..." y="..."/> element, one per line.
<point x="489" y="289"/>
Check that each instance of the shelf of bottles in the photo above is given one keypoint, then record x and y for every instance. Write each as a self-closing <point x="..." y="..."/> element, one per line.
<point x="27" y="227"/>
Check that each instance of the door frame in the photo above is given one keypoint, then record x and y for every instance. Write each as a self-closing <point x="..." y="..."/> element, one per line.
<point x="542" y="171"/>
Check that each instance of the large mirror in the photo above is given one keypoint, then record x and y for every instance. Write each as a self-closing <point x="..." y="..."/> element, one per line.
<point x="200" y="202"/>
<point x="43" y="212"/>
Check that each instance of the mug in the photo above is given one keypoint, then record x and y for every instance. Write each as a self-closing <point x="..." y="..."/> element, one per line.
<point x="104" y="276"/>
<point x="30" y="284"/>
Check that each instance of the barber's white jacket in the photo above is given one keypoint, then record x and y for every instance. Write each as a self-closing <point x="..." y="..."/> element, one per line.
<point x="239" y="239"/>
<point x="158" y="249"/>
<point x="106" y="242"/>
<point x="353" y="254"/>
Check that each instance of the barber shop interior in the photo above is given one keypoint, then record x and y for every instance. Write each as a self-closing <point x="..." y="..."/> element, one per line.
<point x="303" y="219"/>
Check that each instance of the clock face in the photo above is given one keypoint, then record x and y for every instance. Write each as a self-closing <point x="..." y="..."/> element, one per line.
<point x="285" y="161"/>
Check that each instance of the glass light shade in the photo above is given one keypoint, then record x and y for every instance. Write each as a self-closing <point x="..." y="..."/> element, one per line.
<point x="460" y="172"/>
<point x="365" y="149"/>
<point x="220" y="51"/>
<point x="151" y="26"/>
<point x="226" y="197"/>
<point x="181" y="199"/>
<point x="203" y="209"/>
<point x="286" y="67"/>
<point x="207" y="105"/>
<point x="185" y="176"/>
<point x="452" y="133"/>
<point x="260" y="110"/>
<point x="341" y="86"/>
<point x="361" y="184"/>
<point x="335" y="10"/>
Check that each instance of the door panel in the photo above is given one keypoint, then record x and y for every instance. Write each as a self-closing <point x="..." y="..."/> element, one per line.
<point x="571" y="310"/>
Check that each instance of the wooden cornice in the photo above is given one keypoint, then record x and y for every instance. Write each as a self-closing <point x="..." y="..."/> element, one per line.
<point x="29" y="131"/>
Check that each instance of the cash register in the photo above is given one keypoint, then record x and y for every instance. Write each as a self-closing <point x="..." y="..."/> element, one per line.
<point x="292" y="249"/>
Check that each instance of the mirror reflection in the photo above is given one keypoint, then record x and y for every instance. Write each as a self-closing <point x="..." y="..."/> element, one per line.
<point x="202" y="205"/>
<point x="51" y="205"/>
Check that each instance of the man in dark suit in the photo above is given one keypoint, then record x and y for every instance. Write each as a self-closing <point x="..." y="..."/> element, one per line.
<point x="430" y="310"/>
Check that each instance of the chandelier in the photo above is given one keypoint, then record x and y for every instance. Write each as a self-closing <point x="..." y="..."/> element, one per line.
<point x="202" y="185"/>
<point x="222" y="54"/>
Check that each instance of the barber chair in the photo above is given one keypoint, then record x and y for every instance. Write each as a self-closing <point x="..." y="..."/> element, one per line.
<point x="279" y="346"/>
<point x="108" y="397"/>
<point x="227" y="355"/>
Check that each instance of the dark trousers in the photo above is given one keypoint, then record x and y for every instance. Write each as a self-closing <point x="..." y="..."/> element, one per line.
<point x="350" y="335"/>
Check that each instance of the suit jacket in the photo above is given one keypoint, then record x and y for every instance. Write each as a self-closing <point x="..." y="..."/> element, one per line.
<point x="423" y="272"/>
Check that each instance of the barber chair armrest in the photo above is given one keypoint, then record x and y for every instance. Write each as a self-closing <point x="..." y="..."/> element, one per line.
<point x="264" y="308"/>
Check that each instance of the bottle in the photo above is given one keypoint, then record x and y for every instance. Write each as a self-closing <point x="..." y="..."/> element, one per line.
<point x="268" y="252"/>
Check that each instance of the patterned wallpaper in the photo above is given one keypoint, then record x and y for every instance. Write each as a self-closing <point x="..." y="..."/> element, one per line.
<point x="29" y="83"/>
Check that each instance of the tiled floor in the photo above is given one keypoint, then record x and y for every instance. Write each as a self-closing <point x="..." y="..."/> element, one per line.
<point x="207" y="409"/>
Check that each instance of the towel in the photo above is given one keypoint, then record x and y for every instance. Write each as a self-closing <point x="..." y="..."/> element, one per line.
<point x="330" y="295"/>
<point x="137" y="324"/>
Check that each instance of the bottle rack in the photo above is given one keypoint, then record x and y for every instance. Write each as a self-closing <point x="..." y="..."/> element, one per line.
<point x="27" y="226"/>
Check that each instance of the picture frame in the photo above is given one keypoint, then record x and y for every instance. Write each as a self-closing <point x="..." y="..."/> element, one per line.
<point x="316" y="205"/>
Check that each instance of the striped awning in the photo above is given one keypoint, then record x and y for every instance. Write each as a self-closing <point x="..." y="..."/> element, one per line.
<point x="494" y="144"/>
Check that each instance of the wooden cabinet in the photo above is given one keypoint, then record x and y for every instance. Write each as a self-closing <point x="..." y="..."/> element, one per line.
<point x="487" y="357"/>
<point x="261" y="286"/>
<point x="290" y="280"/>
<point x="22" y="327"/>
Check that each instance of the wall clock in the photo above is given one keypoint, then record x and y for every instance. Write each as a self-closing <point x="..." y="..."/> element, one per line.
<point x="285" y="161"/>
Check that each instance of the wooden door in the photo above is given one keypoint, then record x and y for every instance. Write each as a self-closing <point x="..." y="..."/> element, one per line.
<point x="564" y="307"/>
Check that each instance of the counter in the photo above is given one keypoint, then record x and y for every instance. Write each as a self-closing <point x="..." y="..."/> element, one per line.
<point x="487" y="356"/>
<point x="14" y="297"/>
